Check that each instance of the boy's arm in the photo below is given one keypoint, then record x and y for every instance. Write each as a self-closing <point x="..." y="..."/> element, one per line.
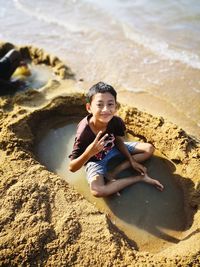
<point x="119" y="142"/>
<point x="76" y="164"/>
<point x="95" y="147"/>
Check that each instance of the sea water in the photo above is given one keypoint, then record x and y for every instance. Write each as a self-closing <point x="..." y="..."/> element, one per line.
<point x="149" y="50"/>
<point x="151" y="219"/>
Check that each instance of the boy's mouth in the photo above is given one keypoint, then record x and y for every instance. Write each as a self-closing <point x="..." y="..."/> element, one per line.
<point x="105" y="115"/>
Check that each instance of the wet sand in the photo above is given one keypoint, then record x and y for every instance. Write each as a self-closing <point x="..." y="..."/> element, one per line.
<point x="46" y="222"/>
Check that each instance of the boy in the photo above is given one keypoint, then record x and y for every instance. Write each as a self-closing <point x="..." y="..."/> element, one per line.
<point x="99" y="138"/>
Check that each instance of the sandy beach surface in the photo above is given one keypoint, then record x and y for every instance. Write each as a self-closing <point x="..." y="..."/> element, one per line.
<point x="44" y="221"/>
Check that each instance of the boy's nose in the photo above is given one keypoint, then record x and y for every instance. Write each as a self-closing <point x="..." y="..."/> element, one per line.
<point x="105" y="108"/>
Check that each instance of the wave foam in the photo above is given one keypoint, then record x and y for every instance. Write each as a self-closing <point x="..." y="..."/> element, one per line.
<point x="162" y="48"/>
<point x="49" y="18"/>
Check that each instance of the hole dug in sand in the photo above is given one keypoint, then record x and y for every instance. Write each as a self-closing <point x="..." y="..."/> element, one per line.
<point x="40" y="67"/>
<point x="43" y="211"/>
<point x="152" y="221"/>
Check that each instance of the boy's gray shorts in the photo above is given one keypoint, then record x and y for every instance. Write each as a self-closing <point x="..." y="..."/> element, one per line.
<point x="100" y="167"/>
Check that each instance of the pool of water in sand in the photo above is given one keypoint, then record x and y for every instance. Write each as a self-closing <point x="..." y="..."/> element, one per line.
<point x="151" y="219"/>
<point x="35" y="77"/>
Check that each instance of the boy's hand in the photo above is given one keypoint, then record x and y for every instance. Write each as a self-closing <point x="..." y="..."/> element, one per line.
<point x="97" y="145"/>
<point x="139" y="167"/>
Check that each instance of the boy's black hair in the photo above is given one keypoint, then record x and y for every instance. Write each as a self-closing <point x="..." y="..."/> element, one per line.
<point x="100" y="87"/>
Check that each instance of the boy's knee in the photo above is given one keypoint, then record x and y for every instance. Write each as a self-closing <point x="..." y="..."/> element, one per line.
<point x="150" y="149"/>
<point x="98" y="191"/>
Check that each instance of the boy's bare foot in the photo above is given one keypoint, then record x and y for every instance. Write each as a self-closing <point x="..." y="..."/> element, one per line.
<point x="154" y="182"/>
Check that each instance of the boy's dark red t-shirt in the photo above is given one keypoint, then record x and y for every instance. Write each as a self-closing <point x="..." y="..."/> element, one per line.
<point x="85" y="136"/>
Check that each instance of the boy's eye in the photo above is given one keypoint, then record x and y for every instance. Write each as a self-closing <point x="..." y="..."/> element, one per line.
<point x="99" y="105"/>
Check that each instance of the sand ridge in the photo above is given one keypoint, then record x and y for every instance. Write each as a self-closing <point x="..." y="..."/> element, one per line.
<point x="45" y="222"/>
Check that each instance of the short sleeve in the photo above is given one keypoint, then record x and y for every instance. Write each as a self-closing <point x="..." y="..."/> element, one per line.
<point x="84" y="137"/>
<point x="117" y="126"/>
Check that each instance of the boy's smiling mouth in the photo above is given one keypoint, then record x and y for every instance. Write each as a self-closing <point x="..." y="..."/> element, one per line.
<point x="107" y="115"/>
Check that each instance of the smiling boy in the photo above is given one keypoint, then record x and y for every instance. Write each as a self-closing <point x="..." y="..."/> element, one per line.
<point x="99" y="138"/>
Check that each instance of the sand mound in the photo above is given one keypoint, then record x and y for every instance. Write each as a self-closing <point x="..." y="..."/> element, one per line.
<point x="45" y="222"/>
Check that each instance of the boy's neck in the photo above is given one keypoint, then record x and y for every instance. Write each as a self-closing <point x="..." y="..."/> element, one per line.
<point x="97" y="126"/>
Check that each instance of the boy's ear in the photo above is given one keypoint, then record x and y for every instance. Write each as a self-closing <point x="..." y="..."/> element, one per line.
<point x="88" y="107"/>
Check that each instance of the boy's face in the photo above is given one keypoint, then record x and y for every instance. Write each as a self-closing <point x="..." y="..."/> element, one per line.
<point x="102" y="106"/>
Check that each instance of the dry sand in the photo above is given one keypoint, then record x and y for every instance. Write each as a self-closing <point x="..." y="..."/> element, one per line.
<point x="43" y="220"/>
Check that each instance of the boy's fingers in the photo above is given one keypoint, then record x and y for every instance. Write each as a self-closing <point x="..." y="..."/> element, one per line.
<point x="103" y="138"/>
<point x="143" y="169"/>
<point x="98" y="136"/>
<point x="140" y="169"/>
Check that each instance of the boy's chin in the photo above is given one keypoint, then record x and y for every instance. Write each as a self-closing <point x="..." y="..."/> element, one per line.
<point x="105" y="120"/>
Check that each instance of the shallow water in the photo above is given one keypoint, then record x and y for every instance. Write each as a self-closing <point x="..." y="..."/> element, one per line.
<point x="39" y="76"/>
<point x="153" y="220"/>
<point x="140" y="47"/>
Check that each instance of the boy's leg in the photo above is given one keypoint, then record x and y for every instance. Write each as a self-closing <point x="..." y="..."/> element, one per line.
<point x="140" y="153"/>
<point x="95" y="176"/>
<point x="99" y="189"/>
